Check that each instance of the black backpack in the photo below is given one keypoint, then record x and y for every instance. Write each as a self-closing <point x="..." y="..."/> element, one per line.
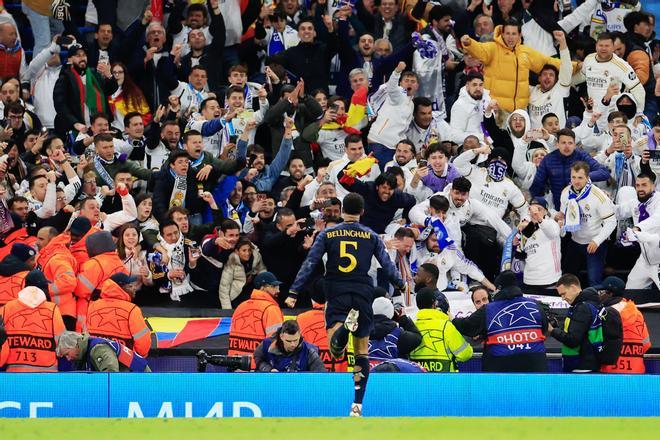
<point x="610" y="320"/>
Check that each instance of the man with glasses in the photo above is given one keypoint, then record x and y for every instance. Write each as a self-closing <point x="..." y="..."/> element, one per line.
<point x="15" y="126"/>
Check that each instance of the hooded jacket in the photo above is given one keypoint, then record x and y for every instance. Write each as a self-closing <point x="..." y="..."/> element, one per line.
<point x="576" y="334"/>
<point x="268" y="357"/>
<point x="504" y="138"/>
<point x="115" y="317"/>
<point x="467" y="114"/>
<point x="12" y="278"/>
<point x="59" y="267"/>
<point x="408" y="339"/>
<point x="506" y="70"/>
<point x="33" y="326"/>
<point x="103" y="262"/>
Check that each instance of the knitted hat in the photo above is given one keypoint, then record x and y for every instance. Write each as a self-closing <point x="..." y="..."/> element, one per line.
<point x="23" y="252"/>
<point x="80" y="226"/>
<point x="383" y="306"/>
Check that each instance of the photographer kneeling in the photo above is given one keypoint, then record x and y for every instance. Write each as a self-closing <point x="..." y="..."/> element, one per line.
<point x="287" y="352"/>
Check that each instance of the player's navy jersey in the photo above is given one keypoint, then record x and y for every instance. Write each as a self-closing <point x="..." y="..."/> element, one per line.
<point x="350" y="247"/>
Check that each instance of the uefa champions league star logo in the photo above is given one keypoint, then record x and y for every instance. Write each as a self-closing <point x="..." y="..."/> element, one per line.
<point x="516" y="315"/>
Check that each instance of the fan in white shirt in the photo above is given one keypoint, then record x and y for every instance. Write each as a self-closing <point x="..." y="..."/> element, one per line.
<point x="192" y="93"/>
<point x="604" y="69"/>
<point x="588" y="214"/>
<point x="644" y="209"/>
<point x="548" y="96"/>
<point x="541" y="242"/>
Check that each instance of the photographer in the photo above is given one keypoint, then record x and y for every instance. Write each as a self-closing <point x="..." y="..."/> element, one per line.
<point x="510" y="317"/>
<point x="287" y="352"/>
<point x="394" y="335"/>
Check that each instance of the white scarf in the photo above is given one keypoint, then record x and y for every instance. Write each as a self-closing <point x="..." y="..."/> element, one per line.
<point x="177" y="254"/>
<point x="573" y="212"/>
<point x="178" y="197"/>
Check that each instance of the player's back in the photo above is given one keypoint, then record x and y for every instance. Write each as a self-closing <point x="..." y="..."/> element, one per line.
<point x="350" y="248"/>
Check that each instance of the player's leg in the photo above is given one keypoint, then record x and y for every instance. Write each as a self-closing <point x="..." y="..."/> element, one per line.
<point x="361" y="305"/>
<point x="338" y="339"/>
<point x="339" y="332"/>
<point x="340" y="320"/>
<point x="360" y="373"/>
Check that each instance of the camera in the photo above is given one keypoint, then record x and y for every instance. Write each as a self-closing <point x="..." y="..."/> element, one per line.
<point x="232" y="363"/>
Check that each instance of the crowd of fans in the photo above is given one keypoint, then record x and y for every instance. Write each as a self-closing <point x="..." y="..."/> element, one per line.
<point x="204" y="143"/>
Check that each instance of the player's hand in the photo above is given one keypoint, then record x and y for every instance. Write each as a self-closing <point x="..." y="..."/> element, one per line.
<point x="400" y="67"/>
<point x="290" y="302"/>
<point x="592" y="247"/>
<point x="466" y="40"/>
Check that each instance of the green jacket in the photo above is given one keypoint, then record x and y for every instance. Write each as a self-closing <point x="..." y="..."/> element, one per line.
<point x="220" y="168"/>
<point x="131" y="166"/>
<point x="102" y="358"/>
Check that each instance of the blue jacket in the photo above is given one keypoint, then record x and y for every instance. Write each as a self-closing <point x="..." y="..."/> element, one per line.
<point x="556" y="170"/>
<point x="265" y="180"/>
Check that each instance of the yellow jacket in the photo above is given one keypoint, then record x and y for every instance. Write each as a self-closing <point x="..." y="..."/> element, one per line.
<point x="442" y="345"/>
<point x="506" y="70"/>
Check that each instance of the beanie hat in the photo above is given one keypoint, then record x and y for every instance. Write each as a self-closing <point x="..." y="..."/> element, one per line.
<point x="80" y="226"/>
<point x="23" y="252"/>
<point x="506" y="279"/>
<point x="383" y="306"/>
<point x="100" y="243"/>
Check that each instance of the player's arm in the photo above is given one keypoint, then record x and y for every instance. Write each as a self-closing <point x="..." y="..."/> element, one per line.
<point x="386" y="263"/>
<point x="313" y="257"/>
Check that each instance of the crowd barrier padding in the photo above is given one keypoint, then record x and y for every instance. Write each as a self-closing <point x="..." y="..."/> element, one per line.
<point x="326" y="395"/>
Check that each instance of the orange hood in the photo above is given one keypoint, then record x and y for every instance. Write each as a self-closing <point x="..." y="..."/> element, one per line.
<point x="112" y="290"/>
<point x="58" y="246"/>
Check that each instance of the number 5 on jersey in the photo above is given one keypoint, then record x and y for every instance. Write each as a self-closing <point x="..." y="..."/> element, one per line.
<point x="344" y="253"/>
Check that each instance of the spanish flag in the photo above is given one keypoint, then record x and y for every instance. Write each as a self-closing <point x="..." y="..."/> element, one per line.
<point x="355" y="119"/>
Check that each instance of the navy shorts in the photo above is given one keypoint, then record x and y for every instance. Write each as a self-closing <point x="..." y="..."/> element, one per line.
<point x="337" y="308"/>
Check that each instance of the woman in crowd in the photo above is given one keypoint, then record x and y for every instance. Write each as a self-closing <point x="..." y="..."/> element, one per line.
<point x="242" y="266"/>
<point x="131" y="253"/>
<point x="128" y="98"/>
